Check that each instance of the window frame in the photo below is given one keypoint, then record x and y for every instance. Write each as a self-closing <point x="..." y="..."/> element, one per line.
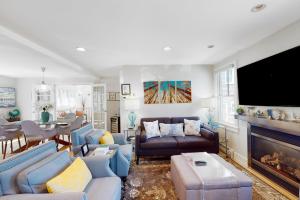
<point x="220" y="97"/>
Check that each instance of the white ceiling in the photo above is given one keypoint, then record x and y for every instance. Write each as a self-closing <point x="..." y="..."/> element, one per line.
<point x="133" y="32"/>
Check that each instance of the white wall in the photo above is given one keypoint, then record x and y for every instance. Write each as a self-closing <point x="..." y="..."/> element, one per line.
<point x="113" y="107"/>
<point x="6" y="82"/>
<point x="201" y="77"/>
<point x="276" y="43"/>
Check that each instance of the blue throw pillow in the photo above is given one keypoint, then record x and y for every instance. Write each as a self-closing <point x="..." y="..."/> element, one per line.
<point x="94" y="136"/>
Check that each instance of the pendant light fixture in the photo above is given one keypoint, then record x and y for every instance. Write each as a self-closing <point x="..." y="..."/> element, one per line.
<point x="43" y="85"/>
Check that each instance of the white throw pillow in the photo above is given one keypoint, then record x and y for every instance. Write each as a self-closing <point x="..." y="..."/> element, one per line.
<point x="192" y="127"/>
<point x="152" y="129"/>
<point x="171" y="129"/>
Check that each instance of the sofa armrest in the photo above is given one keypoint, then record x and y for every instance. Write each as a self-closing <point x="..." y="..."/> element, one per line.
<point x="46" y="196"/>
<point x="119" y="138"/>
<point x="209" y="133"/>
<point x="99" y="166"/>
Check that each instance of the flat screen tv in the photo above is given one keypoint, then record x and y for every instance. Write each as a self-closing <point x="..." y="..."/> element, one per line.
<point x="7" y="97"/>
<point x="273" y="81"/>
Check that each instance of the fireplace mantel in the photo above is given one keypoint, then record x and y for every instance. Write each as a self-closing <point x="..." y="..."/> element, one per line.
<point x="289" y="127"/>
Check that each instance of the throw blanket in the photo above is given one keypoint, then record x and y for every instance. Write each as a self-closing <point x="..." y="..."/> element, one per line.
<point x="213" y="175"/>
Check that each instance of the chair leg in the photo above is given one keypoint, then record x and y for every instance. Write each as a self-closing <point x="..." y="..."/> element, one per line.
<point x="69" y="139"/>
<point x="19" y="141"/>
<point x="11" y="146"/>
<point x="2" y="147"/>
<point x="5" y="148"/>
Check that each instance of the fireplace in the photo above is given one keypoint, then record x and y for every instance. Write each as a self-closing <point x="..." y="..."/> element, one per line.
<point x="276" y="155"/>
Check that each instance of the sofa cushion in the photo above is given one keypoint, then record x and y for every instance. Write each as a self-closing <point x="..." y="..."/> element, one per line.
<point x="93" y="136"/>
<point x="33" y="179"/>
<point x="175" y="120"/>
<point x="78" y="135"/>
<point x="171" y="129"/>
<point x="165" y="120"/>
<point x="126" y="151"/>
<point x="160" y="143"/>
<point x="11" y="167"/>
<point x="192" y="127"/>
<point x="192" y="142"/>
<point x="152" y="129"/>
<point x="107" y="188"/>
<point x="74" y="178"/>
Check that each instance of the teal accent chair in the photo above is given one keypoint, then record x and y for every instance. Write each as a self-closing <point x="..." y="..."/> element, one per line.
<point x="24" y="176"/>
<point x="120" y="163"/>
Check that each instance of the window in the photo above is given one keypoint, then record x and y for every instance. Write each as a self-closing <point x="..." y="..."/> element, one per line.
<point x="226" y="82"/>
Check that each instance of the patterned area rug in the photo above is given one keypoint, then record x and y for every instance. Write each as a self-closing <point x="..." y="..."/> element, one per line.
<point x="151" y="179"/>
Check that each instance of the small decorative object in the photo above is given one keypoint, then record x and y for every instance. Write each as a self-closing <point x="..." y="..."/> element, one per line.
<point x="269" y="112"/>
<point x="125" y="89"/>
<point x="14" y="114"/>
<point x="45" y="114"/>
<point x="250" y="111"/>
<point x="85" y="149"/>
<point x="131" y="118"/>
<point x="278" y="114"/>
<point x="240" y="111"/>
<point x="260" y="114"/>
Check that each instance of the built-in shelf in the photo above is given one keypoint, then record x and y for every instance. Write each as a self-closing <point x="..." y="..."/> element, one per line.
<point x="289" y="127"/>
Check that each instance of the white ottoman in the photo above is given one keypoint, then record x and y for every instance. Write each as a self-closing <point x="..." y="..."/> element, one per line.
<point x="190" y="186"/>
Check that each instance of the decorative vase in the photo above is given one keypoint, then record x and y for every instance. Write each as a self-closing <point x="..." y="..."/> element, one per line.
<point x="132" y="118"/>
<point x="45" y="116"/>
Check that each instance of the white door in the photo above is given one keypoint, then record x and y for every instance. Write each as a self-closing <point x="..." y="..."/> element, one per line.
<point x="99" y="106"/>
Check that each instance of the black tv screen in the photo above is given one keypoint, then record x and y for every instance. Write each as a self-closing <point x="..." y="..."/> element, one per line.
<point x="273" y="81"/>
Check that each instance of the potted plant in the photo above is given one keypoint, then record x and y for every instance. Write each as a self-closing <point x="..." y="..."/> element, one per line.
<point x="45" y="114"/>
<point x="240" y="110"/>
<point x="14" y="115"/>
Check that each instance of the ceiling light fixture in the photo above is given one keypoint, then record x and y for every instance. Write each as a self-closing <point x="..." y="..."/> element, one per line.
<point x="80" y="49"/>
<point x="43" y="85"/>
<point x="210" y="46"/>
<point x="258" y="7"/>
<point x="167" y="48"/>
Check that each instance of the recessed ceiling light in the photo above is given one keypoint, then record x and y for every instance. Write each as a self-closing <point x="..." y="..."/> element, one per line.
<point x="258" y="7"/>
<point x="81" y="49"/>
<point x="167" y="48"/>
<point x="210" y="46"/>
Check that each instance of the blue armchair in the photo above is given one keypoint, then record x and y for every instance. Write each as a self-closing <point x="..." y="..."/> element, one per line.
<point x="87" y="134"/>
<point x="23" y="176"/>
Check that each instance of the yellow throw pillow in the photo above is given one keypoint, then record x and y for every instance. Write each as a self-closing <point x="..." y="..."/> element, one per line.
<point x="107" y="138"/>
<point x="73" y="179"/>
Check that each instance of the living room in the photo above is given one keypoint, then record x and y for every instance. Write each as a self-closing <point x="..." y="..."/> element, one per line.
<point x="124" y="69"/>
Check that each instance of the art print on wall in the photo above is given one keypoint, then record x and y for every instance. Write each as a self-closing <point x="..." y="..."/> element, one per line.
<point x="167" y="92"/>
<point x="7" y="97"/>
<point x="151" y="92"/>
<point x="183" y="92"/>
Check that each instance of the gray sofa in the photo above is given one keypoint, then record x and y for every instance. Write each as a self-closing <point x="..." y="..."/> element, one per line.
<point x="24" y="175"/>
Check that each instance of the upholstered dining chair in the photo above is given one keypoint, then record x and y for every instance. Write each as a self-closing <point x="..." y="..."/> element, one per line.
<point x="8" y="135"/>
<point x="66" y="130"/>
<point x="9" y="132"/>
<point x="34" y="134"/>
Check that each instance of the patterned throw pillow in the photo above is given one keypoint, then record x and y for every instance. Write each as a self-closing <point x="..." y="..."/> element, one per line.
<point x="171" y="129"/>
<point x="192" y="127"/>
<point x="152" y="129"/>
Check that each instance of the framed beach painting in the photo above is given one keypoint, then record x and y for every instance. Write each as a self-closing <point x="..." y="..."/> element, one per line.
<point x="151" y="92"/>
<point x="167" y="92"/>
<point x="183" y="91"/>
<point x="7" y="97"/>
